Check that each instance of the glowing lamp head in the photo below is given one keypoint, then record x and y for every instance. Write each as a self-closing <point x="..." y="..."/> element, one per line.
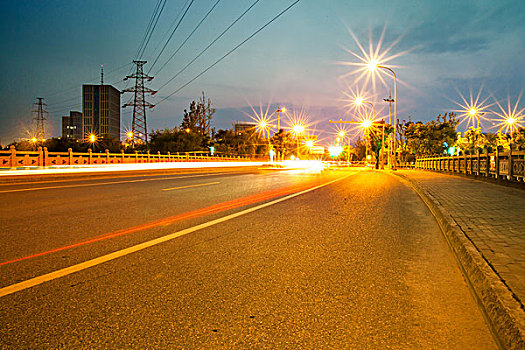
<point x="262" y="125"/>
<point x="33" y="139"/>
<point x="298" y="129"/>
<point x="283" y="109"/>
<point x="130" y="134"/>
<point x="341" y="133"/>
<point x="366" y="123"/>
<point x="511" y="120"/>
<point x="359" y="101"/>
<point x="335" y="151"/>
<point x="473" y="111"/>
<point x="92" y="138"/>
<point x="309" y="143"/>
<point x="188" y="130"/>
<point x="372" y="65"/>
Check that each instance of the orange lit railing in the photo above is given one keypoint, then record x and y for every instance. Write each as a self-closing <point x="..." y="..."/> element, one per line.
<point x="41" y="158"/>
<point x="509" y="165"/>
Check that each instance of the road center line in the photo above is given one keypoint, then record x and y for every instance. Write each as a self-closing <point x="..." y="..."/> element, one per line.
<point x="108" y="257"/>
<point x="190" y="186"/>
<point x="106" y="183"/>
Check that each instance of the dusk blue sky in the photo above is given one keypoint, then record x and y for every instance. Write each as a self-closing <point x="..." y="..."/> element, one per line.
<point x="50" y="48"/>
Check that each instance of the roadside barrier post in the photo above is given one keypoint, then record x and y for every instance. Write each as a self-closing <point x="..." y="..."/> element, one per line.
<point x="40" y="157"/>
<point x="509" y="165"/>
<point x="12" y="157"/>
<point x="497" y="163"/>
<point x="46" y="156"/>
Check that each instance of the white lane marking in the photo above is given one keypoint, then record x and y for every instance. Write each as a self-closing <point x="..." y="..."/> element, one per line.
<point x="107" y="183"/>
<point x="105" y="258"/>
<point x="190" y="186"/>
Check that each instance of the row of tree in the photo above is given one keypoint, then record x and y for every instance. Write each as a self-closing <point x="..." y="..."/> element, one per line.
<point x="195" y="133"/>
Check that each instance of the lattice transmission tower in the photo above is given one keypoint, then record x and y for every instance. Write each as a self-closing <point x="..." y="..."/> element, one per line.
<point x="139" y="127"/>
<point x="40" y="128"/>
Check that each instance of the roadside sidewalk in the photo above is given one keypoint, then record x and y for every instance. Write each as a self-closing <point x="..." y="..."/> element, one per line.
<point x="485" y="225"/>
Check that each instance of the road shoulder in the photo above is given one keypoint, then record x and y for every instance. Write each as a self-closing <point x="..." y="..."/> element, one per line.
<point x="503" y="311"/>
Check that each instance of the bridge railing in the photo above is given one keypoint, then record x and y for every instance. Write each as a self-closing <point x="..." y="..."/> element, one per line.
<point x="509" y="165"/>
<point x="41" y="158"/>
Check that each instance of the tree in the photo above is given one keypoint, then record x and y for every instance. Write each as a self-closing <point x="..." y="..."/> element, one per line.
<point x="359" y="149"/>
<point x="198" y="118"/>
<point x="176" y="140"/>
<point x="244" y="143"/>
<point x="433" y="137"/>
<point x="283" y="143"/>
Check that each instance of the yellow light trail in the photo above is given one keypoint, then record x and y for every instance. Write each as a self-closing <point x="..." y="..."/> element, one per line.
<point x="190" y="186"/>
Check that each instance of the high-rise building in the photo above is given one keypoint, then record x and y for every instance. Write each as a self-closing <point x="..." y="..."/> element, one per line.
<point x="72" y="126"/>
<point x="101" y="111"/>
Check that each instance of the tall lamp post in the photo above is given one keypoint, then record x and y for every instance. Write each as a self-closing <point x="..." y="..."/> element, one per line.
<point x="342" y="135"/>
<point x="298" y="130"/>
<point x="372" y="66"/>
<point x="473" y="112"/>
<point x="279" y="110"/>
<point x="265" y="127"/>
<point x="359" y="101"/>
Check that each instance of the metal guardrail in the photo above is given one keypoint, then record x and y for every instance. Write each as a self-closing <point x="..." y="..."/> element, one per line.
<point x="508" y="165"/>
<point x="41" y="158"/>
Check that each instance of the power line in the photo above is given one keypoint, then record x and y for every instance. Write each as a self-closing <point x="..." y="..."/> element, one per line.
<point x="152" y="29"/>
<point x="230" y="52"/>
<point x="213" y="42"/>
<point x="172" y="33"/>
<point x="148" y="28"/>
<point x="189" y="36"/>
<point x="170" y="27"/>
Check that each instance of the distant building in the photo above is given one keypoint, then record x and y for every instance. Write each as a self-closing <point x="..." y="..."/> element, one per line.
<point x="72" y="126"/>
<point x="240" y="126"/>
<point x="101" y="111"/>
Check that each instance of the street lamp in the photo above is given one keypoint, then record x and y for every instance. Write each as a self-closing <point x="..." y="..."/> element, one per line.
<point x="263" y="127"/>
<point x="372" y="66"/>
<point x="367" y="123"/>
<point x="279" y="110"/>
<point x="511" y="122"/>
<point x="475" y="113"/>
<point x="342" y="135"/>
<point x="298" y="130"/>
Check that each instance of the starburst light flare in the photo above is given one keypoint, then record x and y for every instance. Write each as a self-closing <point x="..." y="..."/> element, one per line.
<point x="474" y="111"/>
<point x="511" y="117"/>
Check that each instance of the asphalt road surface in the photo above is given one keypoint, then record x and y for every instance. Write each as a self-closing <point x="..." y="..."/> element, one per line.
<point x="270" y="259"/>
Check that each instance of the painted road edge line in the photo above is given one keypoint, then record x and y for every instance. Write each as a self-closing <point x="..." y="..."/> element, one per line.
<point x="17" y="287"/>
<point x="190" y="186"/>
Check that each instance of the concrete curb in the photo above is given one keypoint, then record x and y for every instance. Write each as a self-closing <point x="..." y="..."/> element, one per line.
<point x="503" y="311"/>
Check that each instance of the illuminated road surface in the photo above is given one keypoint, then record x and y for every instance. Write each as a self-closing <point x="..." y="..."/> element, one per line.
<point x="345" y="259"/>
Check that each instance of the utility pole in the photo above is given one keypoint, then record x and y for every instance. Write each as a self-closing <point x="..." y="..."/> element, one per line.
<point x="139" y="127"/>
<point x="390" y="100"/>
<point x="40" y="131"/>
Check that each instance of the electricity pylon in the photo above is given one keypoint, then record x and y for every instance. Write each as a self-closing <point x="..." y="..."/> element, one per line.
<point x="139" y="127"/>
<point x="40" y="129"/>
